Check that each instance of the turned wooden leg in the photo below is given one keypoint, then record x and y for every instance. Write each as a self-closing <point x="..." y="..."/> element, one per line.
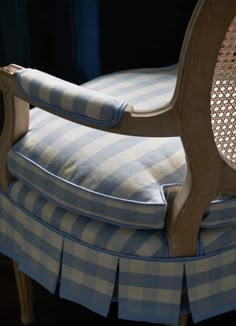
<point x="183" y="321"/>
<point x="24" y="289"/>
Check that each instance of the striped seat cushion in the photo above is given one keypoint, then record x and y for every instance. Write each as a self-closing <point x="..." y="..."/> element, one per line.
<point x="109" y="177"/>
<point x="144" y="89"/>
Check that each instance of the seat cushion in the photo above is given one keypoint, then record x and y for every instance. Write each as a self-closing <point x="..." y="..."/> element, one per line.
<point x="109" y="177"/>
<point x="144" y="89"/>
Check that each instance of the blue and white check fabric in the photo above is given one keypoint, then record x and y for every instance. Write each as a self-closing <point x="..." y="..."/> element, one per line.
<point x="70" y="99"/>
<point x="86" y="260"/>
<point x="113" y="178"/>
<point x="108" y="177"/>
<point x="85" y="214"/>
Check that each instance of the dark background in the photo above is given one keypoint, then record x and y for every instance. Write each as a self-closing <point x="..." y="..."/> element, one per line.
<point x="78" y="40"/>
<point x="81" y="39"/>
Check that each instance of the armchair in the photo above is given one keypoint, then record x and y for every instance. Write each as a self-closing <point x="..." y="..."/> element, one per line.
<point x="124" y="188"/>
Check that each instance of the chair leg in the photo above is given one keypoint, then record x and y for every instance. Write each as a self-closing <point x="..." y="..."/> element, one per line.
<point x="24" y="289"/>
<point x="183" y="321"/>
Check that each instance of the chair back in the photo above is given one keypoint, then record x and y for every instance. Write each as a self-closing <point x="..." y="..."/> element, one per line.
<point x="205" y="99"/>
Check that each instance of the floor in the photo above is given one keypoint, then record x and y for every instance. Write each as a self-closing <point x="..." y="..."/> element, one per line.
<point x="51" y="310"/>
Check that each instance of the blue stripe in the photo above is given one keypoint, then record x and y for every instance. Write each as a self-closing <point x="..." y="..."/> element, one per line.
<point x="39" y="272"/>
<point x="118" y="89"/>
<point x="150" y="281"/>
<point x="34" y="88"/>
<point x="39" y="205"/>
<point x="86" y="296"/>
<point x="168" y="91"/>
<point x="105" y="234"/>
<point x="80" y="103"/>
<point x="144" y="162"/>
<point x="106" y="112"/>
<point x="137" y="240"/>
<point x="117" y="79"/>
<point x="71" y="195"/>
<point x="32" y="238"/>
<point x="10" y="248"/>
<point x="211" y="275"/>
<point x="89" y="266"/>
<point x="213" y="305"/>
<point x="79" y="226"/>
<point x="148" y="311"/>
<point x="81" y="99"/>
<point x="71" y="149"/>
<point x="56" y="95"/>
<point x="100" y="156"/>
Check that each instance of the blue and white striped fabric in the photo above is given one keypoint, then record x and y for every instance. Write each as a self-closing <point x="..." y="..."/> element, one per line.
<point x="144" y="89"/>
<point x="211" y="284"/>
<point x="150" y="287"/>
<point x="109" y="177"/>
<point x="83" y="213"/>
<point x="70" y="99"/>
<point x="86" y="272"/>
<point x="123" y="180"/>
<point x="104" y="236"/>
<point x="220" y="213"/>
<point x="61" y="250"/>
<point x="37" y="248"/>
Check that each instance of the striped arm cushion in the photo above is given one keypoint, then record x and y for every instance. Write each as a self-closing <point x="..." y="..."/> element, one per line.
<point x="70" y="99"/>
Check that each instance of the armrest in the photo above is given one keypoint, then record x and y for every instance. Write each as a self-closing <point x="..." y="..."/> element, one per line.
<point x="87" y="107"/>
<point x="68" y="99"/>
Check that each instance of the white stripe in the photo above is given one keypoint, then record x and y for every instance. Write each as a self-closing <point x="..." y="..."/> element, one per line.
<point x="209" y="289"/>
<point x="83" y="278"/>
<point x="152" y="175"/>
<point x="149" y="294"/>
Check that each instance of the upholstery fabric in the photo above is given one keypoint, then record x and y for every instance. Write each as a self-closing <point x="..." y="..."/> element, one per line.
<point x="70" y="99"/>
<point x="120" y="179"/>
<point x="62" y="251"/>
<point x="85" y="215"/>
<point x="144" y="89"/>
<point x="106" y="176"/>
<point x="125" y="241"/>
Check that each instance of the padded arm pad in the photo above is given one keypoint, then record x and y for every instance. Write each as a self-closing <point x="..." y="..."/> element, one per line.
<point x="69" y="99"/>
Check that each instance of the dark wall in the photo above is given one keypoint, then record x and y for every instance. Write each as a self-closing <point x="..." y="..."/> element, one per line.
<point x="52" y="37"/>
<point x="142" y="33"/>
<point x="14" y="37"/>
<point x="81" y="39"/>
